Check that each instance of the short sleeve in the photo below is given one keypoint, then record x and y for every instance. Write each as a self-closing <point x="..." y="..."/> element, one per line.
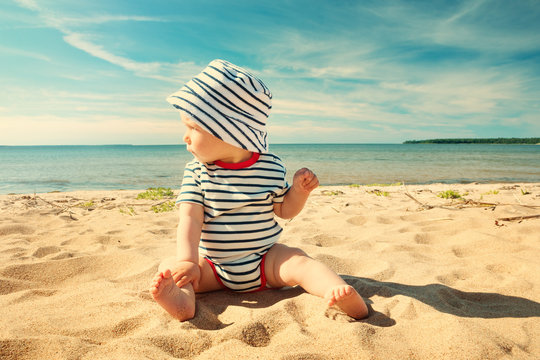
<point x="283" y="185"/>
<point x="191" y="185"/>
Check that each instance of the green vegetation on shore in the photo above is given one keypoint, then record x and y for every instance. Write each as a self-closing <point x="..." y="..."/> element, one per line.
<point x="156" y="193"/>
<point x="526" y="141"/>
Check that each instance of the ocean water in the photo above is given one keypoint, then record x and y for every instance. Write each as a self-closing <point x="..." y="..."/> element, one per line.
<point x="29" y="169"/>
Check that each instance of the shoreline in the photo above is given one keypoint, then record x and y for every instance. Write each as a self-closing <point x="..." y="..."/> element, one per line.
<point x="139" y="167"/>
<point x="351" y="185"/>
<point x="444" y="278"/>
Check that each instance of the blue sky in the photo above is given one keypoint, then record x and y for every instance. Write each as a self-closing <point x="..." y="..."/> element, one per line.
<point x="98" y="72"/>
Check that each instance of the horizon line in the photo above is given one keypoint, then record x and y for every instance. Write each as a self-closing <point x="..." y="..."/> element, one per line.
<point x="313" y="143"/>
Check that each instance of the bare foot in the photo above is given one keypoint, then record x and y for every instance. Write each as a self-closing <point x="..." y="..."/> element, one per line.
<point x="179" y="302"/>
<point x="348" y="300"/>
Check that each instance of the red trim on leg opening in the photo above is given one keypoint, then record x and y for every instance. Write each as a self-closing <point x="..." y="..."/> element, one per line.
<point x="263" y="276"/>
<point x="215" y="273"/>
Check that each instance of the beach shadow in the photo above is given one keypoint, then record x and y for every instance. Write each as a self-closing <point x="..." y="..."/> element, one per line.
<point x="451" y="301"/>
<point x="211" y="305"/>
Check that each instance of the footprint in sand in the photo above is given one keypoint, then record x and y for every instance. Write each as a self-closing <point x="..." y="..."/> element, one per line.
<point x="405" y="229"/>
<point x="8" y="287"/>
<point x="505" y="268"/>
<point x="128" y="326"/>
<point x="16" y="229"/>
<point x="64" y="255"/>
<point x="45" y="250"/>
<point x="256" y="335"/>
<point x="460" y="252"/>
<point x="384" y="275"/>
<point x="423" y="238"/>
<point x="162" y="223"/>
<point x="107" y="240"/>
<point x="453" y="277"/>
<point x="323" y="240"/>
<point x="162" y="231"/>
<point x="384" y="220"/>
<point x="180" y="347"/>
<point x="337" y="315"/>
<point x="357" y="220"/>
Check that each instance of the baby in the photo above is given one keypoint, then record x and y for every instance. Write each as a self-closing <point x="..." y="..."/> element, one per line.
<point x="227" y="234"/>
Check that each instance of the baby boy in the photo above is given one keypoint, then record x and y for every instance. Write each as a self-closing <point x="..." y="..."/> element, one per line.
<point x="227" y="235"/>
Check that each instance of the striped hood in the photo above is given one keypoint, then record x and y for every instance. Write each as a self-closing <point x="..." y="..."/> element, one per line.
<point x="229" y="103"/>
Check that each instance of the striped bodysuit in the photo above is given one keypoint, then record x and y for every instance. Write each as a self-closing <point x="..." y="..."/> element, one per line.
<point x="239" y="226"/>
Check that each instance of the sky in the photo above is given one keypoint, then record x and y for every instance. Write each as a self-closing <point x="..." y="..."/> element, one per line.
<point x="98" y="72"/>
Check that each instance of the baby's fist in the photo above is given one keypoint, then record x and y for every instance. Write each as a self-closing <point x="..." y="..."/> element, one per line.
<point x="305" y="180"/>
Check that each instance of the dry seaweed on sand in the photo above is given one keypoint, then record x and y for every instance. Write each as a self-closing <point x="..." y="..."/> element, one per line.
<point x="459" y="202"/>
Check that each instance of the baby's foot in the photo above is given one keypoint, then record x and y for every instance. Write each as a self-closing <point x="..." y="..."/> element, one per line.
<point x="180" y="303"/>
<point x="348" y="300"/>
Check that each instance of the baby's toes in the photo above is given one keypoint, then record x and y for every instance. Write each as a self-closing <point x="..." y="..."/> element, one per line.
<point x="331" y="297"/>
<point x="344" y="291"/>
<point x="167" y="274"/>
<point x="157" y="277"/>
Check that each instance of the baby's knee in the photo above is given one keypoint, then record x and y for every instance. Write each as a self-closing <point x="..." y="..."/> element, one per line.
<point x="299" y="256"/>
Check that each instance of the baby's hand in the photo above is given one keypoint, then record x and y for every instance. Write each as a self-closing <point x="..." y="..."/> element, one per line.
<point x="186" y="272"/>
<point x="305" y="180"/>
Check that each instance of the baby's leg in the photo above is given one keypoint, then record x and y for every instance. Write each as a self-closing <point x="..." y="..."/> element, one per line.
<point x="179" y="302"/>
<point x="285" y="266"/>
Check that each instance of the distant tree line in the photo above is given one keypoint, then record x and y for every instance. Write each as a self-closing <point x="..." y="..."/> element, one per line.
<point x="532" y="141"/>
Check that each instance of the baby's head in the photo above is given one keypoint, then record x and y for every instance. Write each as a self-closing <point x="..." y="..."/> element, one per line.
<point x="229" y="103"/>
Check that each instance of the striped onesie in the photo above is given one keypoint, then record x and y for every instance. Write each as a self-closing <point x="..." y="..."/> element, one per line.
<point x="239" y="226"/>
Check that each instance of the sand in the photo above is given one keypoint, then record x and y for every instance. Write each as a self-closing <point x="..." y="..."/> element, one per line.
<point x="445" y="279"/>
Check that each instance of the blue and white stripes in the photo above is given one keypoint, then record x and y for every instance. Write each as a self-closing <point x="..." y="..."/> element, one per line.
<point x="228" y="102"/>
<point x="239" y="226"/>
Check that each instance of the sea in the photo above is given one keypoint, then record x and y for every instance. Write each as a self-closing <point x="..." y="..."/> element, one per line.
<point x="37" y="169"/>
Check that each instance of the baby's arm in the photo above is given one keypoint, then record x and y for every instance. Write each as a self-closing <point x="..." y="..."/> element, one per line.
<point x="187" y="245"/>
<point x="304" y="182"/>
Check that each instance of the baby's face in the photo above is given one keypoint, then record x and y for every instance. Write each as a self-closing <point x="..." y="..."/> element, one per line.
<point x="203" y="145"/>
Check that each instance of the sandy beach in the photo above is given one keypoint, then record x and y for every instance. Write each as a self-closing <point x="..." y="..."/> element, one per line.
<point x="444" y="278"/>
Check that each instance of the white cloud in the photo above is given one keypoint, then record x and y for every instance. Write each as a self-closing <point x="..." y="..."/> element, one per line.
<point x="323" y="105"/>
<point x="309" y="131"/>
<point x="168" y="72"/>
<point x="19" y="52"/>
<point x="467" y="8"/>
<point x="101" y="19"/>
<point x="29" y="4"/>
<point x="79" y="41"/>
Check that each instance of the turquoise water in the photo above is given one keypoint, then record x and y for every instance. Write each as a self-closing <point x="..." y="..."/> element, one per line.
<point x="28" y="169"/>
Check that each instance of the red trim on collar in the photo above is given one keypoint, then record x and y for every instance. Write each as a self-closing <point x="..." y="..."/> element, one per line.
<point x="240" y="165"/>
